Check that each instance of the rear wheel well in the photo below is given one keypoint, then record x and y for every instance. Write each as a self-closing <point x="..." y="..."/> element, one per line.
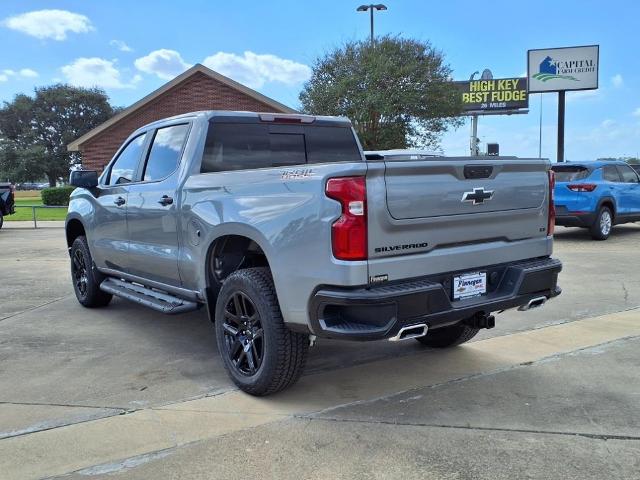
<point x="74" y="230"/>
<point x="610" y="206"/>
<point x="228" y="254"/>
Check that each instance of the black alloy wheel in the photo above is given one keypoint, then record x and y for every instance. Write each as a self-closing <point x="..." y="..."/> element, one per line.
<point x="79" y="271"/>
<point x="243" y="334"/>
<point x="86" y="281"/>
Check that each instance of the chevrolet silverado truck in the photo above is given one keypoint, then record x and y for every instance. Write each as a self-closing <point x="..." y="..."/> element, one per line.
<point x="283" y="229"/>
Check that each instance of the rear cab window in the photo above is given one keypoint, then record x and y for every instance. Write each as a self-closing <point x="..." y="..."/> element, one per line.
<point x="241" y="146"/>
<point x="570" y="173"/>
<point x="166" y="149"/>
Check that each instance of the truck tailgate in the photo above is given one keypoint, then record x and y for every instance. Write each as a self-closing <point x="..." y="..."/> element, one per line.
<point x="432" y="216"/>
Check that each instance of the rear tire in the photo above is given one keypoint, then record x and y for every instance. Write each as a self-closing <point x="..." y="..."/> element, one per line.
<point x="448" y="336"/>
<point x="84" y="278"/>
<point x="1" y="220"/>
<point x="601" y="228"/>
<point x="261" y="355"/>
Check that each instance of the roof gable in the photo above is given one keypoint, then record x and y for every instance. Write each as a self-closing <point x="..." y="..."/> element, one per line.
<point x="183" y="77"/>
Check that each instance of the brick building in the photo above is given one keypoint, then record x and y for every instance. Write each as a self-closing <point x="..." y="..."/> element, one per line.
<point x="199" y="88"/>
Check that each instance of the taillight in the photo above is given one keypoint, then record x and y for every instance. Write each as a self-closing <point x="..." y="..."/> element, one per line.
<point x="552" y="208"/>
<point x="349" y="232"/>
<point x="582" y="187"/>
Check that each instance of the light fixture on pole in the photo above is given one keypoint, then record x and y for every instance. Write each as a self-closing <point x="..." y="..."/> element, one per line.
<point x="371" y="8"/>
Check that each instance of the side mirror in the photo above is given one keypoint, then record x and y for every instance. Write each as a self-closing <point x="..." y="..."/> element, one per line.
<point x="84" y="178"/>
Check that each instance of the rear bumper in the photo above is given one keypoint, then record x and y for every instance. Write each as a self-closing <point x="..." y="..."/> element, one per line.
<point x="582" y="220"/>
<point x="374" y="313"/>
<point x="567" y="218"/>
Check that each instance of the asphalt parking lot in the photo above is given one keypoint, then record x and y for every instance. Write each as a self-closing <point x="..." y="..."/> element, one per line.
<point x="124" y="392"/>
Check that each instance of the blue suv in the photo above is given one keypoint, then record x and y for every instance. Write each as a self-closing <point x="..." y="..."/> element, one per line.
<point x="596" y="195"/>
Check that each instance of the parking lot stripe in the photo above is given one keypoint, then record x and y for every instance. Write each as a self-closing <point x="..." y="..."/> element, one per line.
<point x="70" y="448"/>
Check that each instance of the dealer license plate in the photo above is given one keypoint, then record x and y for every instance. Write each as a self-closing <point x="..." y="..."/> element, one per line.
<point x="469" y="285"/>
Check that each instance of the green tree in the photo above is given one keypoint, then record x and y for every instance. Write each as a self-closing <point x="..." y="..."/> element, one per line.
<point x="397" y="92"/>
<point x="35" y="131"/>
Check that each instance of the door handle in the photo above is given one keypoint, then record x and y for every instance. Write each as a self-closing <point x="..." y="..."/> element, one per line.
<point x="165" y="200"/>
<point x="119" y="201"/>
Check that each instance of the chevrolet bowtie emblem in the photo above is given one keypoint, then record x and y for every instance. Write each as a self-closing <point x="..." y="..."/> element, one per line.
<point x="477" y="196"/>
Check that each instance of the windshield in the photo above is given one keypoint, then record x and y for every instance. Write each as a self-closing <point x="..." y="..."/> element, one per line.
<point x="570" y="174"/>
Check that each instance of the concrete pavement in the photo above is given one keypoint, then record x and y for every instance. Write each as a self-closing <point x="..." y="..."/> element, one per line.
<point x="63" y="367"/>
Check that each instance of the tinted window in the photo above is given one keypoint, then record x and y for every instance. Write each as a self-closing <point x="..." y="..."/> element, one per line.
<point x="627" y="173"/>
<point x="165" y="152"/>
<point x="243" y="146"/>
<point x="571" y="173"/>
<point x="236" y="147"/>
<point x="610" y="174"/>
<point x="331" y="144"/>
<point x="287" y="149"/>
<point x="126" y="164"/>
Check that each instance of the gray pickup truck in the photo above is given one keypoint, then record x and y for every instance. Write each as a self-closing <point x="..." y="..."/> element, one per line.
<point x="285" y="231"/>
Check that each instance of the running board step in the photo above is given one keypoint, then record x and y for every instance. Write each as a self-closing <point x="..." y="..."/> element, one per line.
<point x="159" y="301"/>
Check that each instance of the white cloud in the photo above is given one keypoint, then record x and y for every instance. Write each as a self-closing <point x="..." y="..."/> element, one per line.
<point x="254" y="70"/>
<point x="49" y="23"/>
<point x="28" y="73"/>
<point x="164" y="63"/>
<point x="94" y="72"/>
<point x="120" y="45"/>
<point x="636" y="112"/>
<point x="24" y="73"/>
<point x="617" y="80"/>
<point x="608" y="123"/>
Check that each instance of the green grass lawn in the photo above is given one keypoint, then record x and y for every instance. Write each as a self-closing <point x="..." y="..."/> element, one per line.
<point x="41" y="213"/>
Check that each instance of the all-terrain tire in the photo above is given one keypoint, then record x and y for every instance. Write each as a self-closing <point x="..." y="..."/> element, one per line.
<point x="279" y="356"/>
<point x="601" y="228"/>
<point x="85" y="280"/>
<point x="448" y="336"/>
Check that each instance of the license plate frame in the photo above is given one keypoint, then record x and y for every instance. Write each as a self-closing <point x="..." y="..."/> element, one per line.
<point x="468" y="285"/>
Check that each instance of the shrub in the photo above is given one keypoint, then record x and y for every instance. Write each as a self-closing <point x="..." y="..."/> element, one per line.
<point x="57" y="196"/>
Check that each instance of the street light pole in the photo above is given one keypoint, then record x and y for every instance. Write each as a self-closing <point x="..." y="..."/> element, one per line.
<point x="371" y="8"/>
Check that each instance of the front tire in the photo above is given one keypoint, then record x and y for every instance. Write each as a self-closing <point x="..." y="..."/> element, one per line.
<point x="85" y="284"/>
<point x="601" y="228"/>
<point x="261" y="355"/>
<point x="1" y="220"/>
<point x="448" y="336"/>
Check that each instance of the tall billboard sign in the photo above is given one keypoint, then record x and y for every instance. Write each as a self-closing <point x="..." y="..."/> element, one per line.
<point x="562" y="69"/>
<point x="493" y="95"/>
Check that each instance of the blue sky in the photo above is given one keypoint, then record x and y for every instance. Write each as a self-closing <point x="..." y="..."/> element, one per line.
<point x="131" y="48"/>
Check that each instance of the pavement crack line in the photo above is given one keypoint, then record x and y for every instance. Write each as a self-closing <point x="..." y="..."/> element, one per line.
<point x="30" y="309"/>
<point x="69" y="405"/>
<point x="594" y="436"/>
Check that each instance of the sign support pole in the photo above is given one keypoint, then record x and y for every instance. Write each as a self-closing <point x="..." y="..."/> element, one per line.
<point x="561" y="126"/>
<point x="473" y="144"/>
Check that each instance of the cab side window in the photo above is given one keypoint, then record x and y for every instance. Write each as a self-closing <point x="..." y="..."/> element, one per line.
<point x="627" y="174"/>
<point x="610" y="174"/>
<point x="165" y="152"/>
<point x="124" y="168"/>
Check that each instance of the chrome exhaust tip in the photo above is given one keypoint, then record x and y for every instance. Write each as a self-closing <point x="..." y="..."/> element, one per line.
<point x="411" y="331"/>
<point x="533" y="303"/>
